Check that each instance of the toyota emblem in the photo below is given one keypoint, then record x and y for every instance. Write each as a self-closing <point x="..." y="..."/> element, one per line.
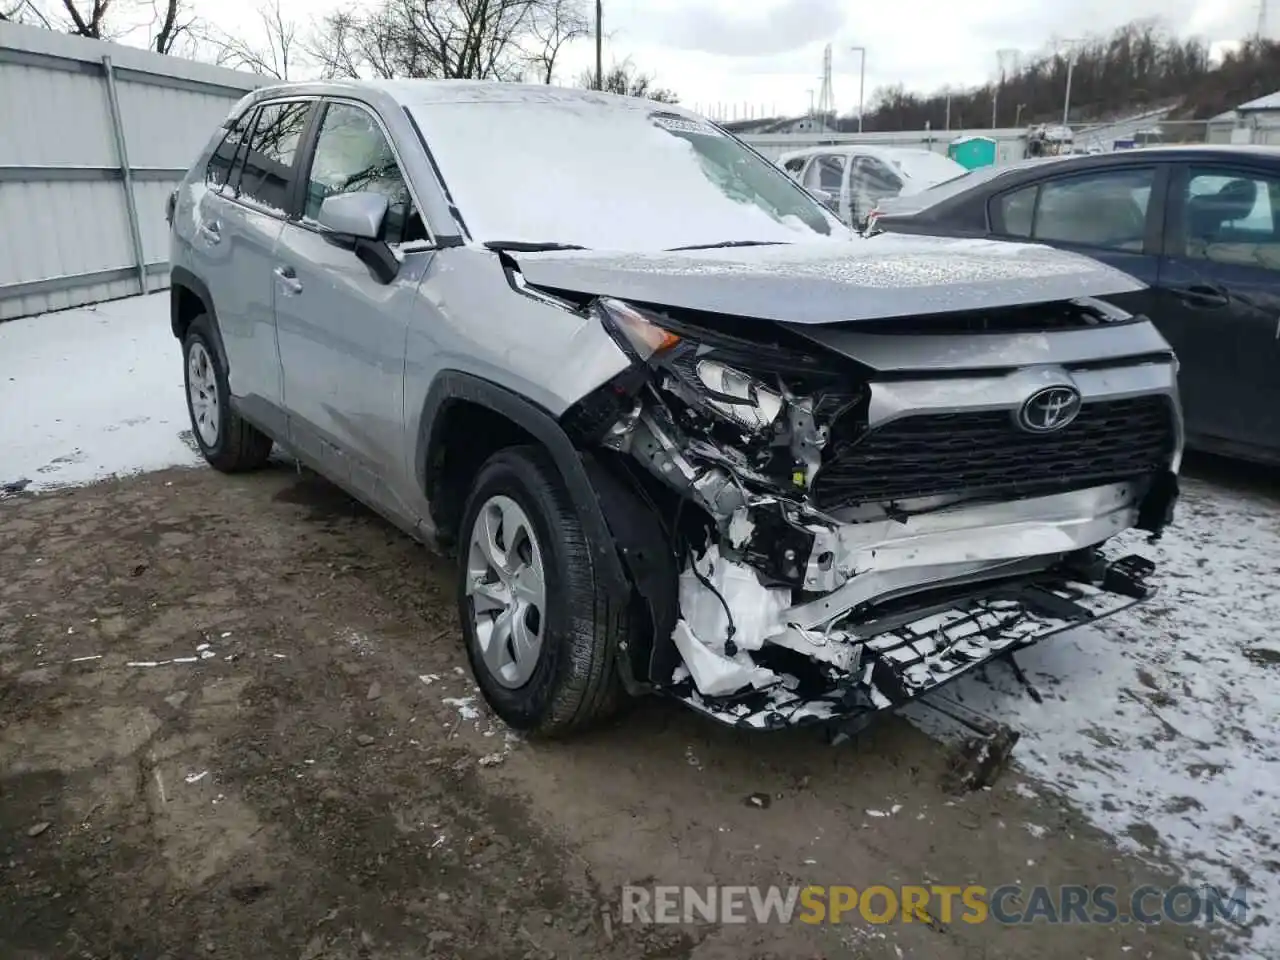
<point x="1049" y="409"/>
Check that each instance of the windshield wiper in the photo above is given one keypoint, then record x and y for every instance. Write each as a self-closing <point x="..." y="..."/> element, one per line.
<point x="730" y="243"/>
<point x="523" y="246"/>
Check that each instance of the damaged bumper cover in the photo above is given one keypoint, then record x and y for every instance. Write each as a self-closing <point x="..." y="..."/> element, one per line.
<point x="845" y="541"/>
<point x="885" y="662"/>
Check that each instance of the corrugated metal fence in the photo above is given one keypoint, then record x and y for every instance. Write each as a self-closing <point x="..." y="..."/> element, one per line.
<point x="93" y="136"/>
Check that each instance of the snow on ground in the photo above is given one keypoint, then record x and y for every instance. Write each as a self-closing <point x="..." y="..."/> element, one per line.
<point x="91" y="392"/>
<point x="1163" y="724"/>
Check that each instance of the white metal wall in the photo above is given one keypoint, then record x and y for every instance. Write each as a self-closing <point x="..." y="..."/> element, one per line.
<point x="76" y="225"/>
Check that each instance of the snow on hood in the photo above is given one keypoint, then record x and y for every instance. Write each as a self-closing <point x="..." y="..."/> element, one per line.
<point x="891" y="275"/>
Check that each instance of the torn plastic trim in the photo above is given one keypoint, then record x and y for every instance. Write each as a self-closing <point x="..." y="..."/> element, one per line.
<point x="900" y="657"/>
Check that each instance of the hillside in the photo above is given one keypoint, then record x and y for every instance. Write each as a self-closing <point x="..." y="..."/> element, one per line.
<point x="1139" y="66"/>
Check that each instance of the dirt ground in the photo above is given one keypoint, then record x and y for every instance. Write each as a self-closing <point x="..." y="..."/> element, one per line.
<point x="294" y="781"/>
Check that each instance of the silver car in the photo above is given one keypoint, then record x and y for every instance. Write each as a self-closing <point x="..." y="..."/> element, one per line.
<point x="685" y="433"/>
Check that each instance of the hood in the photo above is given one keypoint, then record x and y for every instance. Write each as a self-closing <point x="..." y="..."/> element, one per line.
<point x="834" y="281"/>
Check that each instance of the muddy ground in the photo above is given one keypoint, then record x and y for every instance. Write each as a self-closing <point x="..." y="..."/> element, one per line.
<point x="297" y="785"/>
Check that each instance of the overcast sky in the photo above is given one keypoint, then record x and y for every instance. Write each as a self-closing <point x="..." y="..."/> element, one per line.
<point x="762" y="54"/>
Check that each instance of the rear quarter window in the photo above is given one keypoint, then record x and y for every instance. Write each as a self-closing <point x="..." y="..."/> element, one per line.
<point x="221" y="169"/>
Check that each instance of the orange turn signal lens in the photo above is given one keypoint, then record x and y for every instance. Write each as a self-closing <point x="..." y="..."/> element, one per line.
<point x="645" y="336"/>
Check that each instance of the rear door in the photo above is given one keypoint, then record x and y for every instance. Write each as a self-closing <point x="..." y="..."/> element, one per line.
<point x="1220" y="280"/>
<point x="1114" y="214"/>
<point x="870" y="181"/>
<point x="238" y="220"/>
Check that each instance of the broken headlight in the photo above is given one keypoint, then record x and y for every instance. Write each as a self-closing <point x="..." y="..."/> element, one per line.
<point x="726" y="391"/>
<point x="737" y="396"/>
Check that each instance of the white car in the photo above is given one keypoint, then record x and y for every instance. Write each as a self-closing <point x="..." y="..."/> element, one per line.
<point x="856" y="177"/>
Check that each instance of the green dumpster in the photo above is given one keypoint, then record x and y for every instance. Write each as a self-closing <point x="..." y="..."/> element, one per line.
<point x="972" y="152"/>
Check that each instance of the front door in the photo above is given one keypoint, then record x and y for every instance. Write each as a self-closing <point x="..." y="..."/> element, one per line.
<point x="342" y="331"/>
<point x="1220" y="281"/>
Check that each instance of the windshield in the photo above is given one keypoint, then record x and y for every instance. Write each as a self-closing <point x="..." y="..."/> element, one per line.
<point x="609" y="174"/>
<point x="927" y="166"/>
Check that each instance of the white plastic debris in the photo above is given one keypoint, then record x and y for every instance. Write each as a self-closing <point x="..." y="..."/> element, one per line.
<point x="464" y="707"/>
<point x="740" y="527"/>
<point x="715" y="674"/>
<point x="757" y="610"/>
<point x="837" y="648"/>
<point x="196" y="777"/>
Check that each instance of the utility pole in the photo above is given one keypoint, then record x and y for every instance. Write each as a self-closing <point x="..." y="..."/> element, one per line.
<point x="862" y="79"/>
<point x="811" y="101"/>
<point x="599" y="46"/>
<point x="1003" y="59"/>
<point x="1071" y="64"/>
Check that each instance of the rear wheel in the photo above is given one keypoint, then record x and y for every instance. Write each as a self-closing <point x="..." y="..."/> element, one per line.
<point x="541" y="636"/>
<point x="228" y="442"/>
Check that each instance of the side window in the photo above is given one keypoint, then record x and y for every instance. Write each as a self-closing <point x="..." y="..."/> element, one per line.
<point x="219" y="171"/>
<point x="353" y="156"/>
<point x="1230" y="217"/>
<point x="876" y="179"/>
<point x="1014" y="212"/>
<point x="794" y="165"/>
<point x="1107" y="210"/>
<point x="825" y="173"/>
<point x="270" y="151"/>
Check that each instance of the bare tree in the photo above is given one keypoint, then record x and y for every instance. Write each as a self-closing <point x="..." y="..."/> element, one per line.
<point x="171" y="20"/>
<point x="554" y="23"/>
<point x="174" y="24"/>
<point x="24" y="11"/>
<point x="624" y="79"/>
<point x="272" y="58"/>
<point x="451" y="39"/>
<point x="90" y="22"/>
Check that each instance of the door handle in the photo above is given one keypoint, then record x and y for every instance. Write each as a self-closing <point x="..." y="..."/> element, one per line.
<point x="288" y="278"/>
<point x="210" y="230"/>
<point x="1206" y="295"/>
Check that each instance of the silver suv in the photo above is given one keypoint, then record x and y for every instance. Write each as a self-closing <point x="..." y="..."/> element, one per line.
<point x="685" y="432"/>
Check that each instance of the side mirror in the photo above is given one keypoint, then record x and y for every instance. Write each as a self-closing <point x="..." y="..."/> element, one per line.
<point x="354" y="221"/>
<point x="355" y="215"/>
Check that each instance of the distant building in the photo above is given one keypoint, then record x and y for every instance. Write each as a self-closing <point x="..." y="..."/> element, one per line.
<point x="805" y="124"/>
<point x="1257" y="121"/>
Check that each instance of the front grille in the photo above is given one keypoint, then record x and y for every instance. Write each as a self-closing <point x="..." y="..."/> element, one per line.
<point x="984" y="454"/>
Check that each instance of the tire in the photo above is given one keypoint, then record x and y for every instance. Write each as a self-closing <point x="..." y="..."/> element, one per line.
<point x="228" y="442"/>
<point x="573" y="681"/>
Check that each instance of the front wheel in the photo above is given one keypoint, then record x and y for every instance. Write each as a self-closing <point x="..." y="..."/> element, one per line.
<point x="541" y="635"/>
<point x="227" y="441"/>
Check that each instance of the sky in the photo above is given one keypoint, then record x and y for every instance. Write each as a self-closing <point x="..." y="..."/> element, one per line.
<point x="734" y="58"/>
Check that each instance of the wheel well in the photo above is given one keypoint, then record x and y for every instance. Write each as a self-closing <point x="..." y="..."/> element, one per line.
<point x="186" y="306"/>
<point x="464" y="436"/>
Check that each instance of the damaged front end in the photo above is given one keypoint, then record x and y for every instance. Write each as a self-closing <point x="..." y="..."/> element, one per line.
<point x="822" y="538"/>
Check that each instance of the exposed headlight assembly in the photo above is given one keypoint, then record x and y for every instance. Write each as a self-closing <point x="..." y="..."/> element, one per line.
<point x="738" y="396"/>
<point x="731" y="394"/>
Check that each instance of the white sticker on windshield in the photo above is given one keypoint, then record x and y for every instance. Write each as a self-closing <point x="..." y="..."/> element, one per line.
<point x="676" y="124"/>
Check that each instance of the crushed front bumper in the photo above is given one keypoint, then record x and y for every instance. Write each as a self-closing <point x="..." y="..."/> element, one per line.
<point x="917" y="650"/>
